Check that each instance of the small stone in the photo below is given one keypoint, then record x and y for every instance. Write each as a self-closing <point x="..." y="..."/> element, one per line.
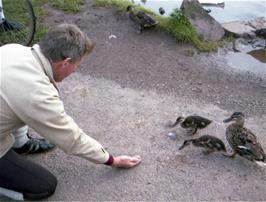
<point x="172" y="135"/>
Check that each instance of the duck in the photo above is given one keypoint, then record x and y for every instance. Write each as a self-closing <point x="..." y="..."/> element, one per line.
<point x="242" y="140"/>
<point x="161" y="11"/>
<point x="140" y="17"/>
<point x="193" y="122"/>
<point x="261" y="33"/>
<point x="208" y="142"/>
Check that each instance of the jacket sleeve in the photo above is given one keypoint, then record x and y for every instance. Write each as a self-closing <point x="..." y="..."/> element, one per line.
<point x="46" y="115"/>
<point x="50" y="120"/>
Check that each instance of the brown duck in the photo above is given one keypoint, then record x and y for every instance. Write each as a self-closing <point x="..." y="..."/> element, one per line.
<point x="142" y="19"/>
<point x="192" y="122"/>
<point x="242" y="140"/>
<point x="208" y="142"/>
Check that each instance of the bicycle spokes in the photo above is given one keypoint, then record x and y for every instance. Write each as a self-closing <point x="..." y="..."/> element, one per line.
<point x="18" y="25"/>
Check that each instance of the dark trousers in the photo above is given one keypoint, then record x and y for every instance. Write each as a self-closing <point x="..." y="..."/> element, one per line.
<point x="21" y="175"/>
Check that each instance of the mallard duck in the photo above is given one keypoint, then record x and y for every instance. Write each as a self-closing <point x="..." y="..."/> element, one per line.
<point x="242" y="140"/>
<point x="208" y="142"/>
<point x="161" y="11"/>
<point x="192" y="122"/>
<point x="144" y="20"/>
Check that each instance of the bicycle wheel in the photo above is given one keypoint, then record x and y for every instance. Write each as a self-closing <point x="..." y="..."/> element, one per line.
<point x="19" y="23"/>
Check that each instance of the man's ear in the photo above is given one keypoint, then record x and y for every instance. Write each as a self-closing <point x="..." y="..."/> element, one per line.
<point x="66" y="62"/>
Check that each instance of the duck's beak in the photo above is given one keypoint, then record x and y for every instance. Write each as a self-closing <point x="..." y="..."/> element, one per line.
<point x="181" y="147"/>
<point x="186" y="143"/>
<point x="227" y="120"/>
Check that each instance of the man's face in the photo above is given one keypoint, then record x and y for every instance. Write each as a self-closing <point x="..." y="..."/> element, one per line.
<point x="64" y="68"/>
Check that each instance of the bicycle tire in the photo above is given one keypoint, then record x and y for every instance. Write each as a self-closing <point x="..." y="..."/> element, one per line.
<point x="24" y="17"/>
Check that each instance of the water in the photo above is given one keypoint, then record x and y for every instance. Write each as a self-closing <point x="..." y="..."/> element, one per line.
<point x="232" y="11"/>
<point x="244" y="61"/>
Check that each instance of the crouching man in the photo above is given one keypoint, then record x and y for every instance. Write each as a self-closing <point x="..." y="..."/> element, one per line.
<point x="29" y="96"/>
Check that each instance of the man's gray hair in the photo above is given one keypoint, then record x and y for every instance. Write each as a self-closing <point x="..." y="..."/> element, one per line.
<point x="65" y="41"/>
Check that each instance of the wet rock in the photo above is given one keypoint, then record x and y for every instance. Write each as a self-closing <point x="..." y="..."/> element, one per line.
<point x="239" y="45"/>
<point x="245" y="29"/>
<point x="219" y="5"/>
<point x="207" y="27"/>
<point x="258" y="23"/>
<point x="239" y="29"/>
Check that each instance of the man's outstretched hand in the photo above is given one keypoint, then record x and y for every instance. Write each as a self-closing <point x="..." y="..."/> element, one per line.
<point x="126" y="161"/>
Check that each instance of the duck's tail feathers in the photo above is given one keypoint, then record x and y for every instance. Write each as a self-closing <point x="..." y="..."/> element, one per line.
<point x="261" y="164"/>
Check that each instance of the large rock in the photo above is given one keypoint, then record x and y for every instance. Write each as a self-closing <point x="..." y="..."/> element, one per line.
<point x="207" y="27"/>
<point x="245" y="28"/>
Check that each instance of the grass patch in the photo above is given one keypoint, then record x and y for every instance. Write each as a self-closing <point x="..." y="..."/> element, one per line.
<point x="176" y="24"/>
<point x="70" y="6"/>
<point x="119" y="5"/>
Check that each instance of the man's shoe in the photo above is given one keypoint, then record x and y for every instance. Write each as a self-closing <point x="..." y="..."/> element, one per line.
<point x="9" y="25"/>
<point x="34" y="145"/>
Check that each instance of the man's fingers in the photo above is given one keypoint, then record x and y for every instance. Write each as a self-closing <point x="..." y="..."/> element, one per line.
<point x="135" y="159"/>
<point x="127" y="161"/>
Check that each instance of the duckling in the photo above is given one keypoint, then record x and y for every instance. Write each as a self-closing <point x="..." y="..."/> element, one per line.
<point x="242" y="140"/>
<point x="161" y="11"/>
<point x="144" y="20"/>
<point x="208" y="142"/>
<point x="192" y="122"/>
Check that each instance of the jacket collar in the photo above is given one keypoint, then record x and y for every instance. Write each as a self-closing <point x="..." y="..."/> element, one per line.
<point x="45" y="63"/>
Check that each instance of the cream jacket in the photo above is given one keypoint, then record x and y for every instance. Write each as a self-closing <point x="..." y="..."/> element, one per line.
<point x="28" y="95"/>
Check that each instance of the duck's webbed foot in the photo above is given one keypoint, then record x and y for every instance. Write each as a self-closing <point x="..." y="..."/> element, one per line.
<point x="192" y="131"/>
<point x="232" y="155"/>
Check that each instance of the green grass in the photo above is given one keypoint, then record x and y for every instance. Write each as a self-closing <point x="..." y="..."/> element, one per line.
<point x="119" y="5"/>
<point x="176" y="24"/>
<point x="70" y="6"/>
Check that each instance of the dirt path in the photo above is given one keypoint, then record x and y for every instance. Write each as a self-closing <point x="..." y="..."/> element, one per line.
<point x="125" y="93"/>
